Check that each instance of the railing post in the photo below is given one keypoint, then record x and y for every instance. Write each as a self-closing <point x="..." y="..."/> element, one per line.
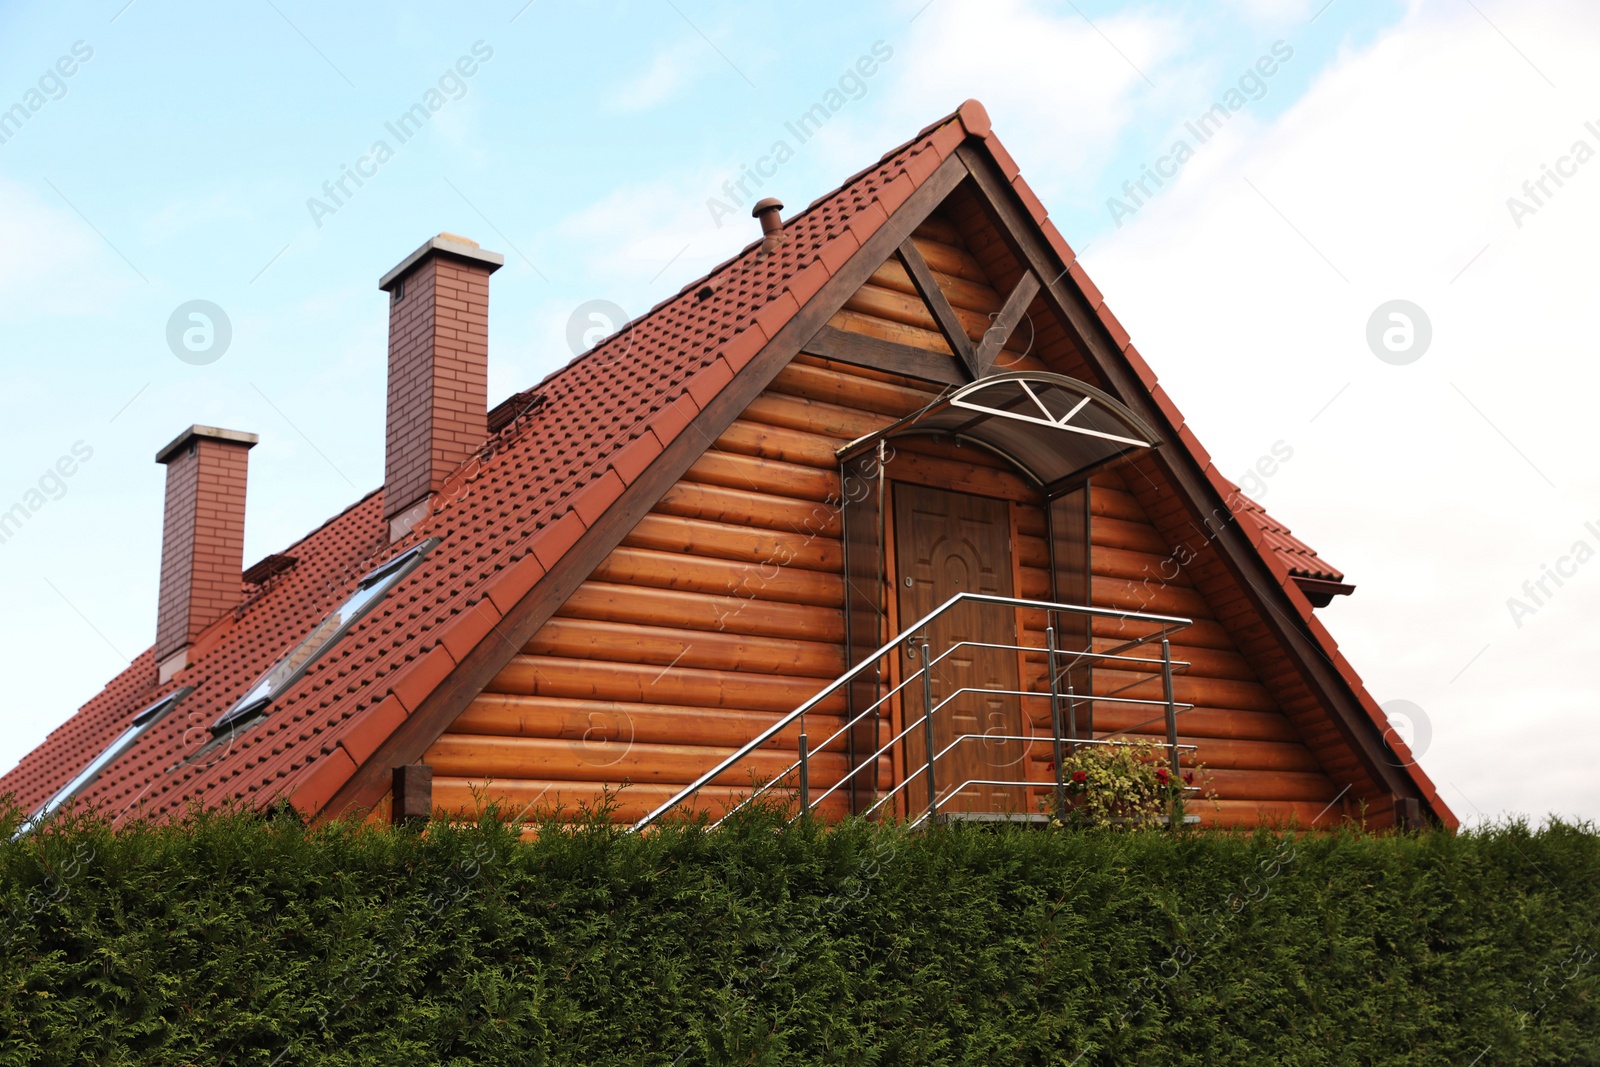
<point x="1055" y="723"/>
<point x="805" y="777"/>
<point x="1072" y="720"/>
<point x="1172" y="723"/>
<point x="927" y="728"/>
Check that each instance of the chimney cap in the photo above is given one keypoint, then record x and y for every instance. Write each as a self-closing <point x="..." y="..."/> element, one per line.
<point x="771" y="203"/>
<point x="212" y="433"/>
<point x="446" y="244"/>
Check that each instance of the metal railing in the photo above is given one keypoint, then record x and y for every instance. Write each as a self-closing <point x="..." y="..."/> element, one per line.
<point x="1063" y="734"/>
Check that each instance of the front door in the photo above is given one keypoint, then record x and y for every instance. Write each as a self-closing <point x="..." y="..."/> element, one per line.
<point x="948" y="543"/>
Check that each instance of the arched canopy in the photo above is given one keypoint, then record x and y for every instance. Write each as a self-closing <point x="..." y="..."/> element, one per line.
<point x="1051" y="426"/>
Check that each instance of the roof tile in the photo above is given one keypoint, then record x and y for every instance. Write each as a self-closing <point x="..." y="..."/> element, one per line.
<point x="1034" y="205"/>
<point x="634" y="457"/>
<point x="317" y="786"/>
<point x="420" y="678"/>
<point x="552" y="542"/>
<point x="513" y="583"/>
<point x="371" y="728"/>
<point x="470" y="627"/>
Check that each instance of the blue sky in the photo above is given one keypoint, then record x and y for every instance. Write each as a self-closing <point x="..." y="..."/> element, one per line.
<point x="176" y="163"/>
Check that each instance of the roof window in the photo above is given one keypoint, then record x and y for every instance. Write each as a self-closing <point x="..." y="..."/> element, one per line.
<point x="84" y="778"/>
<point x="369" y="591"/>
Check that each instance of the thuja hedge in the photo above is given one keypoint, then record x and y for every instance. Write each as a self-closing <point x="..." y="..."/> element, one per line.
<point x="252" y="940"/>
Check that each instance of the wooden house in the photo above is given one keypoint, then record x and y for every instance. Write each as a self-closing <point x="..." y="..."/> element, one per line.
<point x="892" y="480"/>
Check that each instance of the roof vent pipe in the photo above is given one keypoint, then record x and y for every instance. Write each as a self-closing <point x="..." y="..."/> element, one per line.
<point x="770" y="212"/>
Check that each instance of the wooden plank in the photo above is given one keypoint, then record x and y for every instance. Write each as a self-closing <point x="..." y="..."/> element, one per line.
<point x="664" y="570"/>
<point x="851" y="390"/>
<point x="952" y="260"/>
<point x="750" y="438"/>
<point x="885" y="330"/>
<point x="1224" y="723"/>
<point x="910" y="466"/>
<point x="605" y="602"/>
<point x="509" y="715"/>
<point x="862" y="350"/>
<point x="607" y="642"/>
<point x="880" y="302"/>
<point x="721" y="540"/>
<point x="642" y="683"/>
<point x="746" y="508"/>
<point x="958" y="451"/>
<point x="730" y="470"/>
<point x="996" y="336"/>
<point x="938" y="228"/>
<point x="963" y="295"/>
<point x="371" y="781"/>
<point x="1202" y="662"/>
<point x="553" y="759"/>
<point x="1113" y="561"/>
<point x="815" y="417"/>
<point x="1203" y="692"/>
<point x="1138" y="536"/>
<point x="950" y="324"/>
<point x="1152" y="597"/>
<point x="1206" y="633"/>
<point x="520" y="799"/>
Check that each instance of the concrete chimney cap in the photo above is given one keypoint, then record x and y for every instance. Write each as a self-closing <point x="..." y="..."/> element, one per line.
<point x="213" y="433"/>
<point x="448" y="244"/>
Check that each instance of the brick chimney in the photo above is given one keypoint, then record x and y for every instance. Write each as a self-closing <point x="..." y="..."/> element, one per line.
<point x="438" y="371"/>
<point x="202" y="537"/>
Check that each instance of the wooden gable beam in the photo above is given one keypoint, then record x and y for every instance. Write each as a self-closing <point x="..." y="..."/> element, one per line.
<point x="1272" y="604"/>
<point x="943" y="314"/>
<point x="875" y="353"/>
<point x="433" y="716"/>
<point x="996" y="336"/>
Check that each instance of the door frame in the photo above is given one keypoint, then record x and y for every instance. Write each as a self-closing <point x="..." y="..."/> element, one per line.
<point x="888" y="606"/>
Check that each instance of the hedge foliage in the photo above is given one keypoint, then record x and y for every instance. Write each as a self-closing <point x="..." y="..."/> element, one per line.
<point x="246" y="939"/>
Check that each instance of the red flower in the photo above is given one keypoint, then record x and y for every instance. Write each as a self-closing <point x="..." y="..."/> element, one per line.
<point x="1188" y="778"/>
<point x="1162" y="774"/>
<point x="1080" y="776"/>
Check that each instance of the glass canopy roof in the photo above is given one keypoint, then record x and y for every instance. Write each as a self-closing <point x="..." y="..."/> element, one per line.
<point x="1051" y="426"/>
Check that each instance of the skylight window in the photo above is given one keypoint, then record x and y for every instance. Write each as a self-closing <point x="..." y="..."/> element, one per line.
<point x="299" y="659"/>
<point x="84" y="778"/>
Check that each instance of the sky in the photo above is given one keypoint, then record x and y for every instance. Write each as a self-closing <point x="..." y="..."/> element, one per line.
<point x="1437" y="153"/>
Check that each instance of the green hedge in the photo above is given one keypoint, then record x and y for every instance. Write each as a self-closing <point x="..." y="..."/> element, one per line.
<point x="250" y="940"/>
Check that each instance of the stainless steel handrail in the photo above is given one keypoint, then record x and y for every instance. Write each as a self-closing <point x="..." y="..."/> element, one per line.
<point x="1167" y="625"/>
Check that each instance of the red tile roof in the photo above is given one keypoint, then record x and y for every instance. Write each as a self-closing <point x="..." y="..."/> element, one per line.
<point x="584" y="433"/>
<point x="1301" y="559"/>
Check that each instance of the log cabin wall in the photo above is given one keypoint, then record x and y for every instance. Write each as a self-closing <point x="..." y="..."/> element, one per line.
<point x="723" y="609"/>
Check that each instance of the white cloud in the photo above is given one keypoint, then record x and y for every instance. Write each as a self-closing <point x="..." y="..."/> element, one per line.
<point x="52" y="262"/>
<point x="1393" y="171"/>
<point x="1046" y="78"/>
<point x="181" y="216"/>
<point x="1276" y="12"/>
<point x="671" y="70"/>
<point x="645" y="236"/>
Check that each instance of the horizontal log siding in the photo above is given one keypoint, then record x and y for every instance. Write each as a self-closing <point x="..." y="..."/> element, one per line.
<point x="720" y="612"/>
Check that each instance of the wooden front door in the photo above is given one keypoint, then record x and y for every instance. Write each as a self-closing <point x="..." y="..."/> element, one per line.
<point x="948" y="543"/>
